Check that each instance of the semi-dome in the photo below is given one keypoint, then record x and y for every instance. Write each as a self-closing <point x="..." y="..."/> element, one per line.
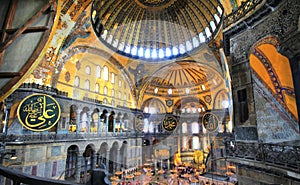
<point x="183" y="78"/>
<point x="156" y="29"/>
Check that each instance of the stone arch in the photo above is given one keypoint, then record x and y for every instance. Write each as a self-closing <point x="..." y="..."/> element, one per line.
<point x="113" y="157"/>
<point x="101" y="156"/>
<point x="184" y="101"/>
<point x="273" y="82"/>
<point x="71" y="161"/>
<point x="156" y="103"/>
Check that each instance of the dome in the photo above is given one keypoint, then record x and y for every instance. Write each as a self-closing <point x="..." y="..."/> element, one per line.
<point x="183" y="78"/>
<point x="156" y="29"/>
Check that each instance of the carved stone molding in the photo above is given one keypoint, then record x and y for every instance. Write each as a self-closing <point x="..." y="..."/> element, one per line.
<point x="281" y="22"/>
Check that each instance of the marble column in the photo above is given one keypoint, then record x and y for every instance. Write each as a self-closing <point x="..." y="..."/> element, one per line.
<point x="99" y="126"/>
<point x="94" y="160"/>
<point x="89" y="120"/>
<point x="107" y="159"/>
<point x="78" y="167"/>
<point x="78" y="121"/>
<point x="118" y="166"/>
<point x="114" y="125"/>
<point x="106" y="123"/>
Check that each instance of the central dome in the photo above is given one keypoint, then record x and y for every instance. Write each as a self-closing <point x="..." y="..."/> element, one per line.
<point x="156" y="29"/>
<point x="155" y="3"/>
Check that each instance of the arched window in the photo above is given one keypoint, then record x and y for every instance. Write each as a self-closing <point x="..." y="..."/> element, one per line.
<point x="105" y="90"/>
<point x="184" y="128"/>
<point x="98" y="72"/>
<point x="113" y="102"/>
<point x="119" y="95"/>
<point x="88" y="70"/>
<point x="97" y="88"/>
<point x="76" y="81"/>
<point x="87" y="84"/>
<point x="120" y="82"/>
<point x="112" y="78"/>
<point x="112" y="93"/>
<point x="195" y="128"/>
<point x="196" y="143"/>
<point x="105" y="73"/>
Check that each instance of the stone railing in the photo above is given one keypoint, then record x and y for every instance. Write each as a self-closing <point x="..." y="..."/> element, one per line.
<point x="50" y="137"/>
<point x="280" y="155"/>
<point x="44" y="88"/>
<point x="241" y="12"/>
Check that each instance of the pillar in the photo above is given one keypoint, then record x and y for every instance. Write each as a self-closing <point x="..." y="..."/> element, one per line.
<point x="78" y="121"/>
<point x="106" y="123"/>
<point x="107" y="160"/>
<point x="118" y="166"/>
<point x="114" y="125"/>
<point x="89" y="120"/>
<point x="99" y="125"/>
<point x="94" y="160"/>
<point x="78" y="167"/>
<point x="121" y="124"/>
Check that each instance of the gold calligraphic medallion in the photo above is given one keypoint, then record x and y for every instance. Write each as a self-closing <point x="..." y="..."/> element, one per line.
<point x="39" y="112"/>
<point x="170" y="123"/>
<point x="210" y="122"/>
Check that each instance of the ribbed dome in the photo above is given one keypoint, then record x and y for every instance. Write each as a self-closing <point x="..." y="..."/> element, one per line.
<point x="182" y="78"/>
<point x="156" y="29"/>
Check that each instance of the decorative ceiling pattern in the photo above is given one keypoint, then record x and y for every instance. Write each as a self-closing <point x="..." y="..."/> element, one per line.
<point x="156" y="29"/>
<point x="183" y="78"/>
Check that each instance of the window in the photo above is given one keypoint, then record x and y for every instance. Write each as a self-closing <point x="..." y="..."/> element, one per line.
<point x="195" y="128"/>
<point x="98" y="72"/>
<point x="112" y="78"/>
<point x="105" y="90"/>
<point x="105" y="101"/>
<point x="119" y="95"/>
<point x="54" y="168"/>
<point x="184" y="128"/>
<point x="105" y="73"/>
<point x="76" y="81"/>
<point x="88" y="70"/>
<point x="112" y="93"/>
<point x="113" y="102"/>
<point x="87" y="84"/>
<point x="125" y="97"/>
<point x="97" y="88"/>
<point x="243" y="105"/>
<point x="120" y="83"/>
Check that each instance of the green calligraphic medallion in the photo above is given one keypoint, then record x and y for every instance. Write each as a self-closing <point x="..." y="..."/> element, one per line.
<point x="210" y="122"/>
<point x="39" y="112"/>
<point x="169" y="123"/>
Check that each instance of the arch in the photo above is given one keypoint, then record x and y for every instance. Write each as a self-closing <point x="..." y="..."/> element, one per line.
<point x="113" y="163"/>
<point x="101" y="156"/>
<point x="153" y="105"/>
<point x="273" y="71"/>
<point x="71" y="161"/>
<point x="189" y="102"/>
<point x="73" y="118"/>
<point x="221" y="100"/>
<point x="111" y="121"/>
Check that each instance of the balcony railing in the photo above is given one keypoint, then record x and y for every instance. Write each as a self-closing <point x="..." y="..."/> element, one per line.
<point x="279" y="155"/>
<point x="72" y="136"/>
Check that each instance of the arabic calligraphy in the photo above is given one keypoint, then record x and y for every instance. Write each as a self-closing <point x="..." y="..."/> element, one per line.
<point x="210" y="122"/>
<point x="39" y="112"/>
<point x="169" y="123"/>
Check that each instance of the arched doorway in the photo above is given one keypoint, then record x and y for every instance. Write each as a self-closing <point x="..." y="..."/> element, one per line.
<point x="71" y="161"/>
